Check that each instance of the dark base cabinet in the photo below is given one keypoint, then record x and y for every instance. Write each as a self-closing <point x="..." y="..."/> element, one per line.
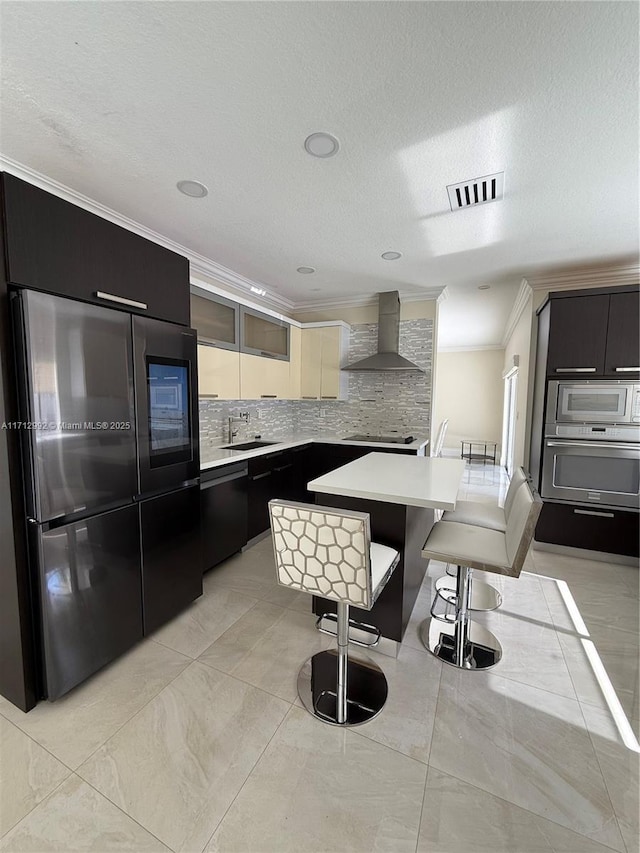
<point x="611" y="531"/>
<point x="171" y="555"/>
<point x="224" y="509"/>
<point x="285" y="475"/>
<point x="262" y="476"/>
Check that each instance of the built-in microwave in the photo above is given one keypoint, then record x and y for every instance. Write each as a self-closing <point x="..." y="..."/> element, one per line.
<point x="592" y="401"/>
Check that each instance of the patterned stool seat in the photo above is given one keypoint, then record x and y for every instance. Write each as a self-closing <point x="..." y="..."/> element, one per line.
<point x="328" y="552"/>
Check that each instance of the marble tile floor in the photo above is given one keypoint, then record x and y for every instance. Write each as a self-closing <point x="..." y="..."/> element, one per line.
<point x="195" y="741"/>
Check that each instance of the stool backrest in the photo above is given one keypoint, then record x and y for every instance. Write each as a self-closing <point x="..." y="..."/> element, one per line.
<point x="521" y="526"/>
<point x="442" y="431"/>
<point x="323" y="551"/>
<point x="519" y="477"/>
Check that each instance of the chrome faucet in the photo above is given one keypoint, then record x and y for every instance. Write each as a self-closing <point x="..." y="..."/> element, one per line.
<point x="243" y="417"/>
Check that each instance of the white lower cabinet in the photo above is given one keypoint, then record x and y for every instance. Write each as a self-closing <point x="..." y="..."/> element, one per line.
<point x="218" y="373"/>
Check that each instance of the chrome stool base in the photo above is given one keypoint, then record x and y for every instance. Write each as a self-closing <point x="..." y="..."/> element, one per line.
<point x="478" y="648"/>
<point x="366" y="688"/>
<point x="483" y="595"/>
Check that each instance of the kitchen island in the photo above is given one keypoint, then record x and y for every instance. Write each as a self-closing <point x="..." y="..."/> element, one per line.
<point x="400" y="493"/>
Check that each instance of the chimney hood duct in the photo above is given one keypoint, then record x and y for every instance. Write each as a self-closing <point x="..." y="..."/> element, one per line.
<point x="387" y="357"/>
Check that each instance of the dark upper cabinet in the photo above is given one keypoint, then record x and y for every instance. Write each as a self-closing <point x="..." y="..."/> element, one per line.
<point x="55" y="246"/>
<point x="578" y="336"/>
<point x="623" y="336"/>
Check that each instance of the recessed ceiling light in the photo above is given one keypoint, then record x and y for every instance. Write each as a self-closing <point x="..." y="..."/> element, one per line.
<point x="484" y="287"/>
<point x="321" y="145"/>
<point x="306" y="270"/>
<point x="391" y="256"/>
<point x="194" y="189"/>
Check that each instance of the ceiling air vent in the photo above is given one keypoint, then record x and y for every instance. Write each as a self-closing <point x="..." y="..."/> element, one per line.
<point x="476" y="191"/>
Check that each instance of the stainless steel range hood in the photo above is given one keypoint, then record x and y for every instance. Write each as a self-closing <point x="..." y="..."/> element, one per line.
<point x="387" y="357"/>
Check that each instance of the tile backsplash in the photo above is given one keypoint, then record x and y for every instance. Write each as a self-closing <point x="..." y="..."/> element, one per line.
<point x="378" y="401"/>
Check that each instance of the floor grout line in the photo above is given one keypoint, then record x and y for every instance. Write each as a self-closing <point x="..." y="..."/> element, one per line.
<point x="523" y="808"/>
<point x="249" y="775"/>
<point x="39" y="803"/>
<point x="125" y="813"/>
<point x="433" y="732"/>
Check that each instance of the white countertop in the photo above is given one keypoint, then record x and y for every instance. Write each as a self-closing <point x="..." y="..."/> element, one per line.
<point x="390" y="478"/>
<point x="213" y="457"/>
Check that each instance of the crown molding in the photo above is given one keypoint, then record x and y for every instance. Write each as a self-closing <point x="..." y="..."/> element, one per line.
<point x="596" y="275"/>
<point x="471" y="348"/>
<point x="235" y="283"/>
<point x="522" y="299"/>
<point x="364" y="300"/>
<point x="203" y="270"/>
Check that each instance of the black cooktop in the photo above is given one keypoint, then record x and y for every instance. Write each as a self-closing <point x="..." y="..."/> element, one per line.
<point x="382" y="439"/>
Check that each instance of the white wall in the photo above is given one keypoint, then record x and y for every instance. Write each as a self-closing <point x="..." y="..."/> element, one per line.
<point x="520" y="344"/>
<point x="469" y="391"/>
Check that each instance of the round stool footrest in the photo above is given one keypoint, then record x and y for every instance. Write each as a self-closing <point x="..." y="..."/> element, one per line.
<point x="366" y="688"/>
<point x="481" y="650"/>
<point x="483" y="595"/>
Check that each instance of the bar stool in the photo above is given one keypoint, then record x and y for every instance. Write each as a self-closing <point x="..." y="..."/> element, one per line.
<point x="483" y="596"/>
<point x="461" y="642"/>
<point x="328" y="552"/>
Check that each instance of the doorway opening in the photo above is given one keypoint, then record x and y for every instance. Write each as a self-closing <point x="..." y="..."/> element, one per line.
<point x="509" y="419"/>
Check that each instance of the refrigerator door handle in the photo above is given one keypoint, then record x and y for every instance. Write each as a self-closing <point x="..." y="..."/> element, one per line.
<point x="121" y="300"/>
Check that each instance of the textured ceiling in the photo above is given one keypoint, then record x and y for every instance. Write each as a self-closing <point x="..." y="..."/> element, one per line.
<point x="121" y="100"/>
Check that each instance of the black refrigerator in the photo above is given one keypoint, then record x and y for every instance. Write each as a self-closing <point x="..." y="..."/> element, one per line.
<point x="111" y="474"/>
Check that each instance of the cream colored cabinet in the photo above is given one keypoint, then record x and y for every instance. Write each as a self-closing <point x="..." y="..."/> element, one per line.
<point x="330" y="384"/>
<point x="264" y="378"/>
<point x="310" y="363"/>
<point x="218" y="373"/>
<point x="295" y="361"/>
<point x="323" y="350"/>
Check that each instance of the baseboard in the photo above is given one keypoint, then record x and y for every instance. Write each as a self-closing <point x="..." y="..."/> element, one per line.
<point x="584" y="554"/>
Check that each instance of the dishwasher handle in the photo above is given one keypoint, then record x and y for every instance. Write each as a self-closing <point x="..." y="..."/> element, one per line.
<point x="219" y="480"/>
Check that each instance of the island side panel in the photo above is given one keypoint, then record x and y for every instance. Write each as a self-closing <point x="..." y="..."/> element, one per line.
<point x="398" y="527"/>
<point x="419" y="521"/>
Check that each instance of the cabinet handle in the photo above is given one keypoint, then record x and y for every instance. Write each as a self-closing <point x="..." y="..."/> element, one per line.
<point x="261" y="476"/>
<point x="328" y="398"/>
<point x="268" y="396"/>
<point x="309" y="398"/>
<point x="208" y="396"/>
<point x="121" y="299"/>
<point x="267" y="354"/>
<point x="592" y="512"/>
<point x="284" y="467"/>
<point x="627" y="369"/>
<point x="576" y="369"/>
<point x="219" y="480"/>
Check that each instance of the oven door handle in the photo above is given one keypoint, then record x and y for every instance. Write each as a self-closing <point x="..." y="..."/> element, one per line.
<point x="586" y="444"/>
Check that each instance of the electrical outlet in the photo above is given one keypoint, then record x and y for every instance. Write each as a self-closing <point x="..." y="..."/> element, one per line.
<point x="323" y="413"/>
<point x="260" y="414"/>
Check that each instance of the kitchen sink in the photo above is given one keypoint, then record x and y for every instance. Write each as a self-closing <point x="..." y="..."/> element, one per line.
<point x="248" y="445"/>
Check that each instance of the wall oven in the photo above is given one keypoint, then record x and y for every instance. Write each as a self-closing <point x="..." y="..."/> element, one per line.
<point x="591" y="401"/>
<point x="604" y="473"/>
<point x="591" y="451"/>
